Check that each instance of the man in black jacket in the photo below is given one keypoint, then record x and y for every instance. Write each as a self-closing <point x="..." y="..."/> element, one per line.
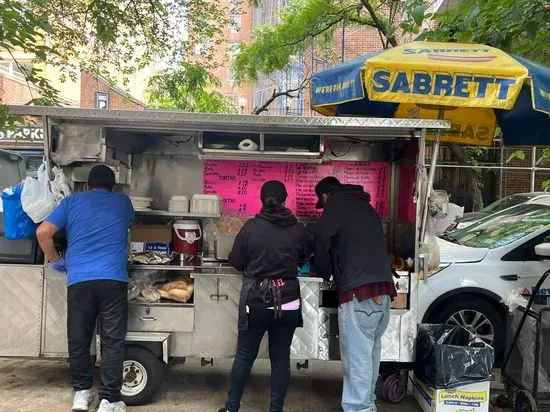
<point x="350" y="246"/>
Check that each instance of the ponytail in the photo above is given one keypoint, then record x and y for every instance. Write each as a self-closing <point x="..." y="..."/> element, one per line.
<point x="272" y="205"/>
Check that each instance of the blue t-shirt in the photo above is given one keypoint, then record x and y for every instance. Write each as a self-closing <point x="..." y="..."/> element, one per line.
<point x="96" y="223"/>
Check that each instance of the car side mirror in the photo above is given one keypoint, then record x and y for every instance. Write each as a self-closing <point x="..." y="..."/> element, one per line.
<point x="543" y="250"/>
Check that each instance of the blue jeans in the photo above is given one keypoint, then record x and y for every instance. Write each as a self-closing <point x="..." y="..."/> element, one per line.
<point x="361" y="326"/>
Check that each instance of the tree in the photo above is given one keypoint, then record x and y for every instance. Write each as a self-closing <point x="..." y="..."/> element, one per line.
<point x="106" y="37"/>
<point x="188" y="88"/>
<point x="311" y="24"/>
<point x="516" y="26"/>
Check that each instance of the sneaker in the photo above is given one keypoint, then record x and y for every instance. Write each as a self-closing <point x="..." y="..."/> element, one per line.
<point x="223" y="410"/>
<point x="82" y="400"/>
<point x="106" y="406"/>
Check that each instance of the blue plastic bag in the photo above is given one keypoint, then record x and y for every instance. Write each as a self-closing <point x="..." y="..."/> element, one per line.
<point x="17" y="225"/>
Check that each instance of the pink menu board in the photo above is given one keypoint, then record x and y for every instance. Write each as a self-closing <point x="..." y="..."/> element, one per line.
<point x="239" y="183"/>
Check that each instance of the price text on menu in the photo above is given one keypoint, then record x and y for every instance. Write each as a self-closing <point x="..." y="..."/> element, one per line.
<point x="238" y="183"/>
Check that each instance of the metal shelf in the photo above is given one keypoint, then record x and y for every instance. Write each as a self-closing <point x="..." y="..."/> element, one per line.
<point x="165" y="213"/>
<point x="162" y="267"/>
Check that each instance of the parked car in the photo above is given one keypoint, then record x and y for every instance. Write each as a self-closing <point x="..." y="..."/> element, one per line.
<point x="482" y="264"/>
<point x="501" y="204"/>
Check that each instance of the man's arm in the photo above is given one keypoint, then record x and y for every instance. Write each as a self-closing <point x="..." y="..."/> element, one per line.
<point x="55" y="221"/>
<point x="327" y="228"/>
<point x="45" y="234"/>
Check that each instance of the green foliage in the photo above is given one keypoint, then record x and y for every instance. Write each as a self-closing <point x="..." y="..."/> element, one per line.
<point x="307" y="25"/>
<point x="518" y="154"/>
<point x="187" y="88"/>
<point x="516" y="26"/>
<point x="107" y="37"/>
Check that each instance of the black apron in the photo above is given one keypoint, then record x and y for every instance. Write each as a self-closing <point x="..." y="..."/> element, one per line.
<point x="248" y="283"/>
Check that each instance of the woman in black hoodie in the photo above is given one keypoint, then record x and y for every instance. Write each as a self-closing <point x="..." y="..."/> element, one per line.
<point x="268" y="249"/>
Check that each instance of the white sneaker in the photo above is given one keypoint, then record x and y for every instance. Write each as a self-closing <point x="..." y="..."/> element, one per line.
<point x="82" y="400"/>
<point x="106" y="406"/>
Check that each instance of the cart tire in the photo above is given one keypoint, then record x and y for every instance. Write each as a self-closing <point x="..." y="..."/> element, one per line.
<point x="142" y="376"/>
<point x="394" y="387"/>
<point x="525" y="402"/>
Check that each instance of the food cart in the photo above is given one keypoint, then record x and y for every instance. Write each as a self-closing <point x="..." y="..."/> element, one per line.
<point x="158" y="155"/>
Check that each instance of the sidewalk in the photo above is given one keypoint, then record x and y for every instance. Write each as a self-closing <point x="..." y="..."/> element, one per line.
<point x="42" y="385"/>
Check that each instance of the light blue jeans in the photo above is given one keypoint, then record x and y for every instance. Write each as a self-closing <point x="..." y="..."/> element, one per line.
<point x="361" y="326"/>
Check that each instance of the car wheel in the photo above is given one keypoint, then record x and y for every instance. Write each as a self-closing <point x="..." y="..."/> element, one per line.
<point x="476" y="315"/>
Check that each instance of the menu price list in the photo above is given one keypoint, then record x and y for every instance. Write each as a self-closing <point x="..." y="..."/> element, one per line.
<point x="239" y="183"/>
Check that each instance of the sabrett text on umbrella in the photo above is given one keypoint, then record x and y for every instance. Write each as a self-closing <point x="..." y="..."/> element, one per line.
<point x="440" y="84"/>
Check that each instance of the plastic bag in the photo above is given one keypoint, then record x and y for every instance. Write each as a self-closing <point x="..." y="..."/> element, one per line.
<point x="230" y="224"/>
<point x="513" y="300"/>
<point x="17" y="224"/>
<point x="59" y="185"/>
<point x="37" y="199"/>
<point x="448" y="356"/>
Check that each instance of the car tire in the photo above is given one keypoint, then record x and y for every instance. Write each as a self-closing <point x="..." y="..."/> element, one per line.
<point x="465" y="309"/>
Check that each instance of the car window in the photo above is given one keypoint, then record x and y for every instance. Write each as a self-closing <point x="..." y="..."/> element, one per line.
<point x="32" y="164"/>
<point x="526" y="252"/>
<point x="505" y="203"/>
<point x="505" y="227"/>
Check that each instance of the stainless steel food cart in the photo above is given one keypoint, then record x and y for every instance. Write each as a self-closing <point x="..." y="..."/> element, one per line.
<point x="160" y="154"/>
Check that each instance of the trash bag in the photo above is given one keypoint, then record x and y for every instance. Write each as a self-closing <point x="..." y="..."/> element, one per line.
<point x="37" y="199"/>
<point x="17" y="224"/>
<point x="448" y="356"/>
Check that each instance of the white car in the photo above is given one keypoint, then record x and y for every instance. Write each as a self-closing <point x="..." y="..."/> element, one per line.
<point x="482" y="264"/>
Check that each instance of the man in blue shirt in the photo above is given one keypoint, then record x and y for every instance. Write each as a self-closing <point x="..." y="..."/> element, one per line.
<point x="96" y="223"/>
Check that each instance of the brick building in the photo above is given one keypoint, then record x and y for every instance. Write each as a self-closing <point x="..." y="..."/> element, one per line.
<point x="97" y="93"/>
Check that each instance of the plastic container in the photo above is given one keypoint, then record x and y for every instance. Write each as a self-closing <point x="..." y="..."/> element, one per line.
<point x="178" y="204"/>
<point x="185" y="238"/>
<point x="206" y="204"/>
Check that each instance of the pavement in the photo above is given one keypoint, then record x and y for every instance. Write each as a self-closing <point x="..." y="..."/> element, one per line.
<point x="43" y="385"/>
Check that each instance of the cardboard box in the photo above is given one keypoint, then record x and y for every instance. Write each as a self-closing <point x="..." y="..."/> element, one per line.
<point x="473" y="397"/>
<point x="400" y="301"/>
<point x="150" y="238"/>
<point x="151" y="233"/>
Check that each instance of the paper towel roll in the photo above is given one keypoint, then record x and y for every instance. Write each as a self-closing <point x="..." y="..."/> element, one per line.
<point x="248" y="145"/>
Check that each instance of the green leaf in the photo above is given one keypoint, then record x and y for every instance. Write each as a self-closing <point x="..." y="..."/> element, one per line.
<point x="545" y="185"/>
<point x="418" y="14"/>
<point x="518" y="154"/>
<point x="532" y="29"/>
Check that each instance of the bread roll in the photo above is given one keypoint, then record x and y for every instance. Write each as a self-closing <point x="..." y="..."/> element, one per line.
<point x="176" y="284"/>
<point x="180" y="295"/>
<point x="164" y="294"/>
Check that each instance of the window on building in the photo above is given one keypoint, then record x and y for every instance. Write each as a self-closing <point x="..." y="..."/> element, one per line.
<point x="231" y="77"/>
<point x="233" y="49"/>
<point x="235" y="23"/>
<point x="232" y="99"/>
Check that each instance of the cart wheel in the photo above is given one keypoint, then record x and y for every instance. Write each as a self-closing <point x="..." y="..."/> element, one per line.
<point x="394" y="387"/>
<point x="525" y="402"/>
<point x="142" y="376"/>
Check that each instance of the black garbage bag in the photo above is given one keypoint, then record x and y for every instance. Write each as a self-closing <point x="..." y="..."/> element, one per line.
<point x="448" y="356"/>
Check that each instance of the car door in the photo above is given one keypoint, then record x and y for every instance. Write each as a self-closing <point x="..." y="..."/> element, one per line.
<point x="533" y="267"/>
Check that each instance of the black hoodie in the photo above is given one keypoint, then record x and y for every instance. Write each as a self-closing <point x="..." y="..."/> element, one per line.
<point x="350" y="242"/>
<point x="271" y="245"/>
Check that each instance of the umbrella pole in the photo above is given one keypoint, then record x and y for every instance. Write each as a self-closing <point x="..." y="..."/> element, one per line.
<point x="431" y="177"/>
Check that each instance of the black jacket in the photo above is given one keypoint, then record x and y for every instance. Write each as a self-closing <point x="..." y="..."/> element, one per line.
<point x="349" y="241"/>
<point x="271" y="245"/>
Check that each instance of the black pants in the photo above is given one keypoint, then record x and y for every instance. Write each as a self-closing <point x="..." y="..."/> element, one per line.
<point x="87" y="302"/>
<point x="280" y="333"/>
